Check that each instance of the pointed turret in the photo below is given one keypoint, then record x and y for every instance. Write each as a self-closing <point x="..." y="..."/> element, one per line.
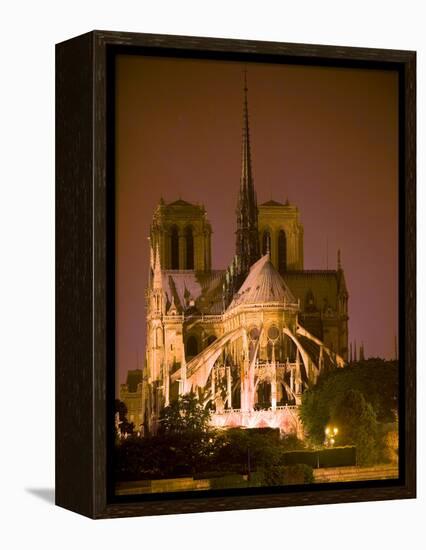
<point x="157" y="282"/>
<point x="247" y="238"/>
<point x="156" y="290"/>
<point x="341" y="286"/>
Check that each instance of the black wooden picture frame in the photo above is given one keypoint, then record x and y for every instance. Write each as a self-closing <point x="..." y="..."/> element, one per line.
<point x="85" y="272"/>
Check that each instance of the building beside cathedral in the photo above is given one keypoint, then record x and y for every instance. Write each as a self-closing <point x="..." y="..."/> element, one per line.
<point x="249" y="339"/>
<point x="131" y="395"/>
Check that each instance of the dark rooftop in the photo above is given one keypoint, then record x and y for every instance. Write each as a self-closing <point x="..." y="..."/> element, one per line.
<point x="272" y="203"/>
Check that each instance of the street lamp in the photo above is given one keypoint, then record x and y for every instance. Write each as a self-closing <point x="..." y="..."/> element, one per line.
<point x="330" y="436"/>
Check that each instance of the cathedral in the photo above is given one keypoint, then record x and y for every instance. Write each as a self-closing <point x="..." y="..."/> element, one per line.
<point x="248" y="339"/>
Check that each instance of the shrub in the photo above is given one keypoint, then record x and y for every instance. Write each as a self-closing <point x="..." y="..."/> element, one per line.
<point x="241" y="450"/>
<point x="337" y="456"/>
<point x="324" y="458"/>
<point x="277" y="474"/>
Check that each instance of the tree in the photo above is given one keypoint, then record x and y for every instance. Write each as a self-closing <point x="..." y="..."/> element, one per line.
<point x="185" y="431"/>
<point x="357" y="425"/>
<point x="375" y="379"/>
<point x="315" y="413"/>
<point x="125" y="425"/>
<point x="184" y="415"/>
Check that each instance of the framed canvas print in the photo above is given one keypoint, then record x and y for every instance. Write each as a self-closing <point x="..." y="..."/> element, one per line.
<point x="235" y="281"/>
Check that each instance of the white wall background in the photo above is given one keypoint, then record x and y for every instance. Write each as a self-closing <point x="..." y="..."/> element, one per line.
<point x="29" y="31"/>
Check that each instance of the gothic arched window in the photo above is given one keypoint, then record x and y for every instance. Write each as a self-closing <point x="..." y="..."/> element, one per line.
<point x="174" y="248"/>
<point x="282" y="251"/>
<point x="191" y="347"/>
<point x="189" y="237"/>
<point x="159" y="336"/>
<point x="266" y="242"/>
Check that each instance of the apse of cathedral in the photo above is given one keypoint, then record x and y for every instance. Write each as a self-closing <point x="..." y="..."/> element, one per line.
<point x="249" y="340"/>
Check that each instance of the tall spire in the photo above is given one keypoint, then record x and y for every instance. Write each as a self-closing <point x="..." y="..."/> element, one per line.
<point x="246" y="182"/>
<point x="247" y="238"/>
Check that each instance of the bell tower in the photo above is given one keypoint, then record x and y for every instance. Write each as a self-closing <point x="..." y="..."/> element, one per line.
<point x="280" y="229"/>
<point x="183" y="235"/>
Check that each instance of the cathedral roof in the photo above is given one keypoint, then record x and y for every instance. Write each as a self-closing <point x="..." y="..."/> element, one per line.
<point x="272" y="203"/>
<point x="134" y="377"/>
<point x="323" y="285"/>
<point x="263" y="285"/>
<point x="180" y="202"/>
<point x="193" y="291"/>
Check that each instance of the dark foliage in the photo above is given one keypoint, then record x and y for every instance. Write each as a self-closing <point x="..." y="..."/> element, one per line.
<point x="375" y="379"/>
<point x="322" y="458"/>
<point x="248" y="450"/>
<point x="162" y="456"/>
<point x="358" y="425"/>
<point x="125" y="425"/>
<point x="277" y="474"/>
<point x="200" y="453"/>
<point x="185" y="415"/>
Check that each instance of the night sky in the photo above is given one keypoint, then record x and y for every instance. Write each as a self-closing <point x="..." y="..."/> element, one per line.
<point x="325" y="138"/>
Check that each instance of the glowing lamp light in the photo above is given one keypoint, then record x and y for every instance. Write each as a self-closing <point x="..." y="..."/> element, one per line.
<point x="330" y="434"/>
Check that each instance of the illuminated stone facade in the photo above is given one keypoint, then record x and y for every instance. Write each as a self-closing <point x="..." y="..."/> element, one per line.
<point x="183" y="235"/>
<point x="249" y="339"/>
<point x="281" y="232"/>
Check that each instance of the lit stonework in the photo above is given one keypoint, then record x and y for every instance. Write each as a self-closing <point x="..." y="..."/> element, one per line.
<point x="249" y="339"/>
<point x="281" y="232"/>
<point x="183" y="235"/>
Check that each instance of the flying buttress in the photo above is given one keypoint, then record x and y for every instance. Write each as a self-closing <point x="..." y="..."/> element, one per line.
<point x="196" y="372"/>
